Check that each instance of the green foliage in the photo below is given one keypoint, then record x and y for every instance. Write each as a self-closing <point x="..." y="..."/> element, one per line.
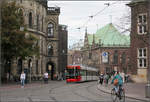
<point x="16" y="43"/>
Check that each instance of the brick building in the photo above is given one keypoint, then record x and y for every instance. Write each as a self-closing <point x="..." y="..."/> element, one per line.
<point x="140" y="29"/>
<point x="106" y="50"/>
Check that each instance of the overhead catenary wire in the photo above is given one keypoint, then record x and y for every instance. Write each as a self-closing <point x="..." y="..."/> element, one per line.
<point x="92" y="16"/>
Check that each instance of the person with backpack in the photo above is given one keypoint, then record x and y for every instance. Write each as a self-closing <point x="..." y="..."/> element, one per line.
<point x="118" y="82"/>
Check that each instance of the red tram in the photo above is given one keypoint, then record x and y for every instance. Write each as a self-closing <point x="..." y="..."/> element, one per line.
<point x="78" y="73"/>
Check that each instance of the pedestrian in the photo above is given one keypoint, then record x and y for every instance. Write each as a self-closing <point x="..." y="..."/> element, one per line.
<point x="7" y="75"/>
<point x="46" y="77"/>
<point x="126" y="77"/>
<point x="101" y="78"/>
<point x="22" y="78"/>
<point x="123" y="76"/>
<point x="106" y="78"/>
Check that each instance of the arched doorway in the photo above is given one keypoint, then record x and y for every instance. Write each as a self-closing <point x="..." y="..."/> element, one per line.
<point x="50" y="69"/>
<point x="19" y="66"/>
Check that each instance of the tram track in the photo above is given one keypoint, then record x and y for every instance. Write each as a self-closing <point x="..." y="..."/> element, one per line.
<point x="88" y="89"/>
<point x="78" y="94"/>
<point x="51" y="92"/>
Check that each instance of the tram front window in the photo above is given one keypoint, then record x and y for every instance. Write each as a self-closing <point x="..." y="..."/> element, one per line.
<point x="70" y="73"/>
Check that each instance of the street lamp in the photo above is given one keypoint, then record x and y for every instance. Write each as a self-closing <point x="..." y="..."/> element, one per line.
<point x="30" y="70"/>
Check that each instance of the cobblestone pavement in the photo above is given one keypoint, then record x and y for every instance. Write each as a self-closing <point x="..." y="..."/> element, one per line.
<point x="56" y="91"/>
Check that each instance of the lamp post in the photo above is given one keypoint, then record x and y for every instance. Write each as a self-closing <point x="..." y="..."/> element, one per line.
<point x="30" y="71"/>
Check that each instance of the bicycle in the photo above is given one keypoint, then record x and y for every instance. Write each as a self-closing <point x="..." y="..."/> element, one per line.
<point x="116" y="97"/>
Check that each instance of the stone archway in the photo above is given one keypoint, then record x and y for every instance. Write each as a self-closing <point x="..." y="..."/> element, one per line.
<point x="19" y="65"/>
<point x="50" y="69"/>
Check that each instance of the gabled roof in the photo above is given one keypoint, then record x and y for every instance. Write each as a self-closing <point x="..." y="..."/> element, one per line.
<point x="109" y="36"/>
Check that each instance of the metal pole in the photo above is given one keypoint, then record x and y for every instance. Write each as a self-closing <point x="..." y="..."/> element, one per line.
<point x="147" y="89"/>
<point x="0" y="46"/>
<point x="30" y="71"/>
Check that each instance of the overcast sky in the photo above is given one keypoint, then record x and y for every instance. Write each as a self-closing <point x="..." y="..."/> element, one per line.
<point x="75" y="14"/>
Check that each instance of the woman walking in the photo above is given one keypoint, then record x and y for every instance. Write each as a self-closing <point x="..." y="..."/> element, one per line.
<point x="22" y="78"/>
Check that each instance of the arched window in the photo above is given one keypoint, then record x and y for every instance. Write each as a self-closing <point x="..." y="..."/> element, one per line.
<point x="50" y="50"/>
<point x="115" y="57"/>
<point x="50" y="30"/>
<point x="30" y="20"/>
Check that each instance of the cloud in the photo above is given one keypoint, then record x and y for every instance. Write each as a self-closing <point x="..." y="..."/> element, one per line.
<point x="74" y="14"/>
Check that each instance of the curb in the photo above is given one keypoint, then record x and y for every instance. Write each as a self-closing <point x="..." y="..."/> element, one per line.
<point x="127" y="96"/>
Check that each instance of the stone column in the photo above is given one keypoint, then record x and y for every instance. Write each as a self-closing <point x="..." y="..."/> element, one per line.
<point x="14" y="67"/>
<point x="33" y="67"/>
<point x="39" y="66"/>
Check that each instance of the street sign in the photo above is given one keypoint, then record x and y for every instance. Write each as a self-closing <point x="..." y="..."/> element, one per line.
<point x="105" y="57"/>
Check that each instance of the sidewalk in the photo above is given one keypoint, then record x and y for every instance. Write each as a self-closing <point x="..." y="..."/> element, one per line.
<point x="132" y="90"/>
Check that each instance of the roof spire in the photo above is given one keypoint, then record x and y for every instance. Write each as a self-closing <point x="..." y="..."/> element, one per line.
<point x="93" y="40"/>
<point x="110" y="19"/>
<point x="86" y="38"/>
<point x="85" y="31"/>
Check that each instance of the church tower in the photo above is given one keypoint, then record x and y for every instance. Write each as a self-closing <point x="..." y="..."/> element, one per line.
<point x="86" y="39"/>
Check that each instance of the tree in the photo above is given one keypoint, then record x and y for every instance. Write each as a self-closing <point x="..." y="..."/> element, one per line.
<point x="15" y="41"/>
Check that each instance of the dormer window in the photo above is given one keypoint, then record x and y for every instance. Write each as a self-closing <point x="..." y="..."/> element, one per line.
<point x="50" y="30"/>
<point x="142" y="24"/>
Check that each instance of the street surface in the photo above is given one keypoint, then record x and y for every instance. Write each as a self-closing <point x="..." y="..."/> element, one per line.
<point x="57" y="91"/>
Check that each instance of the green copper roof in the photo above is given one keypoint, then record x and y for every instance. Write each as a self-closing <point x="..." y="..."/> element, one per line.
<point x="137" y="1"/>
<point x="109" y="36"/>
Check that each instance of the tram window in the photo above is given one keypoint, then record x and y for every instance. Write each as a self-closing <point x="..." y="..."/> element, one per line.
<point x="70" y="72"/>
<point x="94" y="73"/>
<point x="77" y="72"/>
<point x="83" y="72"/>
<point x="88" y="73"/>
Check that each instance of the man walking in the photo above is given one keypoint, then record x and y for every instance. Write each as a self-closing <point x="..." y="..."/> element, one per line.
<point x="46" y="77"/>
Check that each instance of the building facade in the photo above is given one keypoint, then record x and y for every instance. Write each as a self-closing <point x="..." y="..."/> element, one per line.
<point x="140" y="36"/>
<point x="106" y="50"/>
<point x="43" y="23"/>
